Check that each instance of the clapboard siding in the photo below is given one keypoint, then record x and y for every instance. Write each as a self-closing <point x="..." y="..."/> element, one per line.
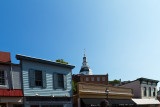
<point x="49" y="90"/>
<point x="16" y="75"/>
<point x="12" y="76"/>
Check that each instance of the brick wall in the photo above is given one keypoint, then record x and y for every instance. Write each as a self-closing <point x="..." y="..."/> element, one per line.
<point x="97" y="79"/>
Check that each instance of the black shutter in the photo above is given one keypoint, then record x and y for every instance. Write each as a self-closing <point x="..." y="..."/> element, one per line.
<point x="32" y="77"/>
<point x="65" y="81"/>
<point x="44" y="79"/>
<point x="55" y="80"/>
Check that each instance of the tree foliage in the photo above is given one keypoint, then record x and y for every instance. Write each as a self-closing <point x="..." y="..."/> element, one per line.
<point x="74" y="86"/>
<point x="114" y="82"/>
<point x="61" y="61"/>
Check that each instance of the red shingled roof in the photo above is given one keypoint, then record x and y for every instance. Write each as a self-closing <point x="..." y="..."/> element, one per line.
<point x="5" y="57"/>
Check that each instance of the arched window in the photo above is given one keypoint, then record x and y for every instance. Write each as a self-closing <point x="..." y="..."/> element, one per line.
<point x="144" y="91"/>
<point x="154" y="91"/>
<point x="150" y="91"/>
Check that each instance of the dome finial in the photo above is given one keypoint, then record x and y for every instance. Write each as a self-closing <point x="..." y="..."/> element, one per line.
<point x="84" y="52"/>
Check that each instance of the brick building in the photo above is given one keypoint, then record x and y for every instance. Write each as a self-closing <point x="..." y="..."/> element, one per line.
<point x="97" y="79"/>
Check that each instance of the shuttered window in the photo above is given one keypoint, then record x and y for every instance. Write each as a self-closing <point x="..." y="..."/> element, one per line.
<point x="59" y="81"/>
<point x="37" y="78"/>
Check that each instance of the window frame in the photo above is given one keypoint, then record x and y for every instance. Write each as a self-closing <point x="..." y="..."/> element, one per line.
<point x="149" y="92"/>
<point x="92" y="78"/>
<point x="98" y="78"/>
<point x="103" y="78"/>
<point x="145" y="91"/>
<point x="32" y="78"/>
<point x="87" y="78"/>
<point x="38" y="80"/>
<point x="4" y="73"/>
<point x="60" y="80"/>
<point x="154" y="92"/>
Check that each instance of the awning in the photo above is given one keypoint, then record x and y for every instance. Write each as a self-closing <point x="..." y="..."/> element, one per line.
<point x="11" y="93"/>
<point x="145" y="101"/>
<point x="92" y="100"/>
<point x="120" y="102"/>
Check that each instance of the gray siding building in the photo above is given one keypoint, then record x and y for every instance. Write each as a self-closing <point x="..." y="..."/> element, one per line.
<point x="46" y="83"/>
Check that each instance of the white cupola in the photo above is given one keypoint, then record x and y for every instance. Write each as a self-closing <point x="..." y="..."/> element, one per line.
<point x="85" y="69"/>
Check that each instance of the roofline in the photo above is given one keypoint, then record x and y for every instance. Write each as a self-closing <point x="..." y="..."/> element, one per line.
<point x="142" y="79"/>
<point x="146" y="79"/>
<point x="23" y="57"/>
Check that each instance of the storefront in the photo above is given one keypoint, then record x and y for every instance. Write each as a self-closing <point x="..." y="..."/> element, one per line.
<point x="94" y="95"/>
<point x="112" y="102"/>
<point x="47" y="101"/>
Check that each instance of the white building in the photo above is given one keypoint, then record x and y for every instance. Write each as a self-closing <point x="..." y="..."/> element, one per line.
<point x="145" y="91"/>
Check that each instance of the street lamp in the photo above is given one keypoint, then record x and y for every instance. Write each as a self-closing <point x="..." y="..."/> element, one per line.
<point x="107" y="92"/>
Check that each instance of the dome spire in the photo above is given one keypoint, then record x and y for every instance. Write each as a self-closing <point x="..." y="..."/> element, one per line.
<point x="85" y="69"/>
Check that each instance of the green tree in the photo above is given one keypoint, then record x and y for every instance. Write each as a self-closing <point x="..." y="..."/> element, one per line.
<point x="61" y="61"/>
<point x="114" y="82"/>
<point x="74" y="86"/>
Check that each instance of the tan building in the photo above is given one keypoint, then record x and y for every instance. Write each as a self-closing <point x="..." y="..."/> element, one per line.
<point x="89" y="94"/>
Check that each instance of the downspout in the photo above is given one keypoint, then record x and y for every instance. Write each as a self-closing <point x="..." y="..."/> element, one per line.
<point x="21" y="73"/>
<point x="11" y="78"/>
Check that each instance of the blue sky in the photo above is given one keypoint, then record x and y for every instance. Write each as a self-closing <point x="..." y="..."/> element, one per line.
<point x="121" y="37"/>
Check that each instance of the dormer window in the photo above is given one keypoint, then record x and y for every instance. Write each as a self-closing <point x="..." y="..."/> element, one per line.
<point x="2" y="77"/>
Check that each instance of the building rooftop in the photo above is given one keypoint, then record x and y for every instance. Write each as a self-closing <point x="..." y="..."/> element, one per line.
<point x="23" y="57"/>
<point x="146" y="79"/>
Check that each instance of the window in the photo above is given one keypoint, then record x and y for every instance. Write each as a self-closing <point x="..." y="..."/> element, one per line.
<point x="144" y="91"/>
<point x="154" y="91"/>
<point x="103" y="78"/>
<point x="60" y="81"/>
<point x="92" y="78"/>
<point x="2" y="77"/>
<point x="98" y="78"/>
<point x="149" y="91"/>
<point x="38" y="78"/>
<point x="87" y="79"/>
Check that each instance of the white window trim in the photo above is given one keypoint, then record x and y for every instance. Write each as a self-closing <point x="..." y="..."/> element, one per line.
<point x="5" y="81"/>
